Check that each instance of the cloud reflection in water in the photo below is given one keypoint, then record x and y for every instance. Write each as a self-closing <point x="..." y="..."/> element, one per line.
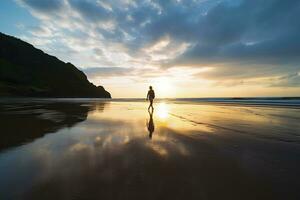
<point x="192" y="149"/>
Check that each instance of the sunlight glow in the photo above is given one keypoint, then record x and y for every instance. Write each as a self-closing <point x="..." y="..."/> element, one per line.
<point x="162" y="111"/>
<point x="163" y="87"/>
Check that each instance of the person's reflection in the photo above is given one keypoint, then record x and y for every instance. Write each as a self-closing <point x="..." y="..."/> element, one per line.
<point x="150" y="123"/>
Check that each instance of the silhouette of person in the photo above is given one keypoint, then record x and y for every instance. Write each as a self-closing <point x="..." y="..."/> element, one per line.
<point x="150" y="124"/>
<point x="150" y="97"/>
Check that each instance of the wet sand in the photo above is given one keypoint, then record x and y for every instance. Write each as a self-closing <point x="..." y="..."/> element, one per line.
<point x="118" y="150"/>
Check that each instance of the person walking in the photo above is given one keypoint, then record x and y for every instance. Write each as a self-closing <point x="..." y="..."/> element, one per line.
<point x="150" y="97"/>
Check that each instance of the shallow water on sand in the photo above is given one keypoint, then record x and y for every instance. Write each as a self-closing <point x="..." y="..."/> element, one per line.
<point x="119" y="150"/>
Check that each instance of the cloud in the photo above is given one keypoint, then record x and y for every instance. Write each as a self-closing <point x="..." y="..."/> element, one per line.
<point x="290" y="80"/>
<point x="93" y="72"/>
<point x="263" y="33"/>
<point x="90" y="10"/>
<point x="238" y="39"/>
<point x="43" y="6"/>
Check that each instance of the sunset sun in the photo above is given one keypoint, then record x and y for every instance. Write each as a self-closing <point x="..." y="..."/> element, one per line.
<point x="164" y="86"/>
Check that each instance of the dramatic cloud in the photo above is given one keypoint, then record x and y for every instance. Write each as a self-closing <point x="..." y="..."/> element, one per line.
<point x="291" y="80"/>
<point x="253" y="31"/>
<point x="230" y="39"/>
<point x="107" y="71"/>
<point x="91" y="10"/>
<point x="43" y="6"/>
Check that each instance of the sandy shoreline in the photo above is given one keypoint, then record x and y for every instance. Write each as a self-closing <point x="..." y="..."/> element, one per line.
<point x="117" y="150"/>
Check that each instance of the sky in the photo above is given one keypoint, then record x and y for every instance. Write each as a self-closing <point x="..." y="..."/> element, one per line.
<point x="183" y="48"/>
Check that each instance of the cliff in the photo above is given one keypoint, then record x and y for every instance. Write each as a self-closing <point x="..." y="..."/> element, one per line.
<point x="29" y="72"/>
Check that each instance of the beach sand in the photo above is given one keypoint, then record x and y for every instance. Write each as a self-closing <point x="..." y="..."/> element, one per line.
<point x="118" y="150"/>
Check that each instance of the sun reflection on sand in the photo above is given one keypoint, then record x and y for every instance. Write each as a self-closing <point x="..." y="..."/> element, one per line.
<point x="112" y="147"/>
<point x="162" y="110"/>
